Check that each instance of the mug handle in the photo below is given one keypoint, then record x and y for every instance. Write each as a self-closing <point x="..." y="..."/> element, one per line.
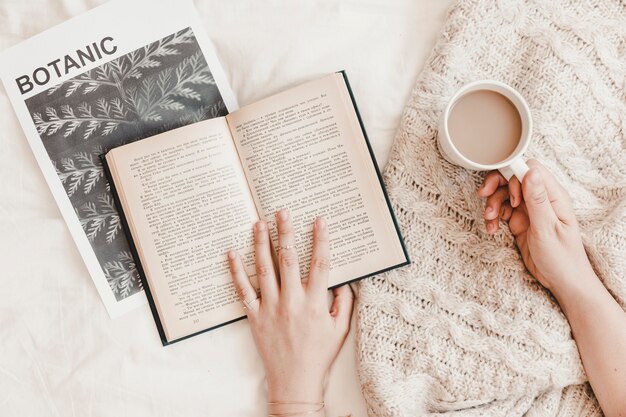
<point x="517" y="167"/>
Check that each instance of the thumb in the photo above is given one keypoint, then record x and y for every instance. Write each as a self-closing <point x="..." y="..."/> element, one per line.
<point x="540" y="211"/>
<point x="341" y="310"/>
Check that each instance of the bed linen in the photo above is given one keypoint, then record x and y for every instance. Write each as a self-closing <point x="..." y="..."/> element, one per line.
<point x="60" y="354"/>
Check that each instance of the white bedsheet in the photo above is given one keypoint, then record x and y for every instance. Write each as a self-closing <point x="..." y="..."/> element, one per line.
<point x="60" y="354"/>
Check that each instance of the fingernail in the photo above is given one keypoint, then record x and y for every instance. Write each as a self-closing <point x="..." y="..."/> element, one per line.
<point x="488" y="210"/>
<point x="320" y="223"/>
<point x="282" y="214"/>
<point x="513" y="200"/>
<point x="260" y="226"/>
<point x="232" y="255"/>
<point x="491" y="228"/>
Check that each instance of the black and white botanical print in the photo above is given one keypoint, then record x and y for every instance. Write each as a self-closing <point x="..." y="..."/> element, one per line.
<point x="161" y="86"/>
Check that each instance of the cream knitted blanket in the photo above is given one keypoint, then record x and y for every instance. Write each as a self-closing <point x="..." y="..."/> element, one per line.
<point x="465" y="330"/>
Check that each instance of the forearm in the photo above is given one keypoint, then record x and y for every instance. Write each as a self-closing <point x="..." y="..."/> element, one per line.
<point x="598" y="324"/>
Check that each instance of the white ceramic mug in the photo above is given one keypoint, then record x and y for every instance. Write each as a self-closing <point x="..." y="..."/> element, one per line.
<point x="514" y="164"/>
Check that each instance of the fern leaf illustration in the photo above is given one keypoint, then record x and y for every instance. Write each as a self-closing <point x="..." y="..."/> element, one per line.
<point x="189" y="93"/>
<point x="114" y="228"/>
<point x="144" y="58"/>
<point x="47" y="127"/>
<point x="100" y="73"/>
<point x="114" y="225"/>
<point x="98" y="216"/>
<point x="92" y="179"/>
<point x="70" y="128"/>
<point x="109" y="127"/>
<point x="90" y="209"/>
<point x="37" y="118"/>
<point x="72" y="88"/>
<point x="80" y="169"/>
<point x="91" y="128"/>
<point x="52" y="89"/>
<point x="52" y="114"/>
<point x="170" y="86"/>
<point x="67" y="111"/>
<point x="171" y="104"/>
<point x="84" y="110"/>
<point x="118" y="109"/>
<point x="93" y="171"/>
<point x="108" y="116"/>
<point x="201" y="113"/>
<point x="72" y="176"/>
<point x="91" y="87"/>
<point x="87" y="82"/>
<point x="121" y="274"/>
<point x="103" y="106"/>
<point x="217" y="109"/>
<point x="107" y="203"/>
<point x="93" y="226"/>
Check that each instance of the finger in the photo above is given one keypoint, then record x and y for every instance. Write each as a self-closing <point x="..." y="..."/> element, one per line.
<point x="287" y="254"/>
<point x="244" y="288"/>
<point x="320" y="259"/>
<point x="506" y="211"/>
<point x="519" y="222"/>
<point x="492" y="225"/>
<point x="490" y="184"/>
<point x="494" y="202"/>
<point x="265" y="274"/>
<point x="341" y="309"/>
<point x="559" y="197"/>
<point x="540" y="211"/>
<point x="515" y="191"/>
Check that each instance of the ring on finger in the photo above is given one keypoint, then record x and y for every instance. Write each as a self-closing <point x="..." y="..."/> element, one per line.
<point x="279" y="247"/>
<point x="248" y="303"/>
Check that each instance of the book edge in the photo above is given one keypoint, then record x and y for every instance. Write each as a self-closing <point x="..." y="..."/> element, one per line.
<point x="133" y="249"/>
<point x="378" y="174"/>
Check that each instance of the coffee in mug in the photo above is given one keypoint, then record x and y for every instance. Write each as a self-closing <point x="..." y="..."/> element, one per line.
<point x="486" y="125"/>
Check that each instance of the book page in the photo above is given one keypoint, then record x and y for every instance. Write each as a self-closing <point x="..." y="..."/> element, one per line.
<point x="187" y="203"/>
<point x="304" y="150"/>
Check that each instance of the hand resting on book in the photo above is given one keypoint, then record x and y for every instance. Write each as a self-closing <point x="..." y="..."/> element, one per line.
<point x="296" y="334"/>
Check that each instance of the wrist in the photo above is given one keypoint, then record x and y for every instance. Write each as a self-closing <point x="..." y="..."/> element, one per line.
<point x="312" y="392"/>
<point x="575" y="291"/>
<point x="295" y="409"/>
<point x="578" y="276"/>
<point x="295" y="399"/>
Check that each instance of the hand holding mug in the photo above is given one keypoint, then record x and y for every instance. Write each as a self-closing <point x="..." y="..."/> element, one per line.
<point x="541" y="217"/>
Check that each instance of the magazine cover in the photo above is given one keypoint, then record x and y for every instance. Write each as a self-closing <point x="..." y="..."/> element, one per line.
<point x="121" y="72"/>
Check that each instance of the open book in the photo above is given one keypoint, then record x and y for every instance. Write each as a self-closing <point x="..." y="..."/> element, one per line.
<point x="190" y="194"/>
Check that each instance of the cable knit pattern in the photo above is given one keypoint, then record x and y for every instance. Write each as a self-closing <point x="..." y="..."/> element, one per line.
<point x="465" y="330"/>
